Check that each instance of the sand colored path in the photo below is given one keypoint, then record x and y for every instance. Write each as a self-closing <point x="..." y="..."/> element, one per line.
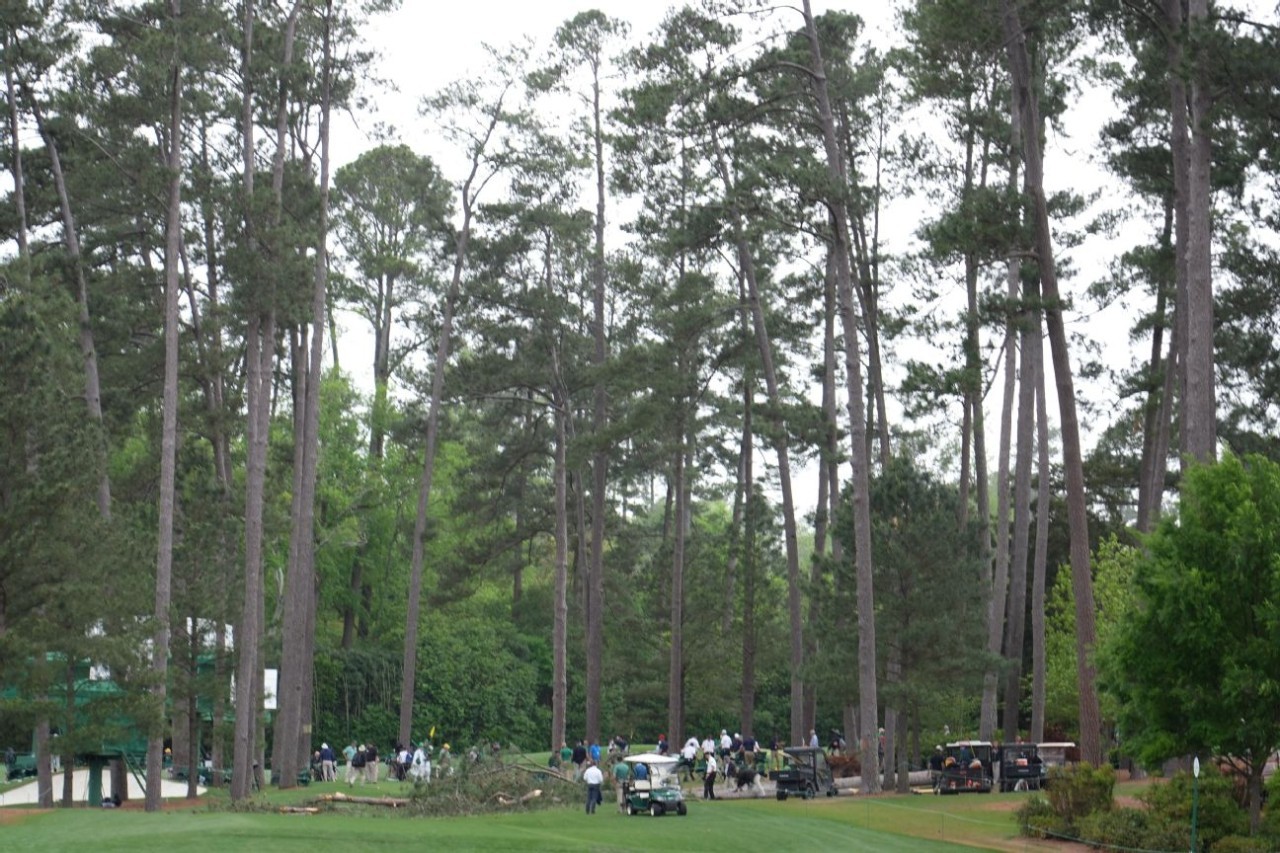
<point x="28" y="794"/>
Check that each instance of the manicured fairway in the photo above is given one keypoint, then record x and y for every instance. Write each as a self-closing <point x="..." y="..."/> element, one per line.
<point x="882" y="825"/>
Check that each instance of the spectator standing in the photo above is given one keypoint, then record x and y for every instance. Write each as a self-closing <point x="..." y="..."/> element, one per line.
<point x="579" y="756"/>
<point x="594" y="779"/>
<point x="621" y="775"/>
<point x="371" y="764"/>
<point x="355" y="767"/>
<point x="594" y="752"/>
<point x="328" y="763"/>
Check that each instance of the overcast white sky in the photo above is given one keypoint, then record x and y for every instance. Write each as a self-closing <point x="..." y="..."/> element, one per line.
<point x="425" y="45"/>
<point x="429" y="43"/>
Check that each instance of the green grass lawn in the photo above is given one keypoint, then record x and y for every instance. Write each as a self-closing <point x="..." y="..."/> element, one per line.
<point x="887" y="824"/>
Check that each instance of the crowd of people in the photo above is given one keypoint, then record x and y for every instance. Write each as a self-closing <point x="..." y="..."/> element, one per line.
<point x="405" y="763"/>
<point x="735" y="758"/>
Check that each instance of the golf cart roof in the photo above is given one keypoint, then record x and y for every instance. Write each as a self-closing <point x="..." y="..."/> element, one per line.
<point x="802" y="750"/>
<point x="651" y="758"/>
<point x="959" y="743"/>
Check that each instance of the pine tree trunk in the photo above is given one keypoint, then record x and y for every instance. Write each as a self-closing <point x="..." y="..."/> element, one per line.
<point x="1199" y="410"/>
<point x="467" y="196"/>
<point x="88" y="351"/>
<point x="1073" y="463"/>
<point x="1015" y="618"/>
<point x="1155" y="412"/>
<point x="860" y="464"/>
<point x="746" y="265"/>
<point x="261" y="327"/>
<point x="599" y="422"/>
<point x="675" y="670"/>
<point x="169" y="430"/>
<point x="285" y="758"/>
<point x="15" y="155"/>
<point x="1040" y="567"/>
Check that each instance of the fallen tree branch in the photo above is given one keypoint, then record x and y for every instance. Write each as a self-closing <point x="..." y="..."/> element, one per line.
<point x="339" y="797"/>
<point x="506" y="800"/>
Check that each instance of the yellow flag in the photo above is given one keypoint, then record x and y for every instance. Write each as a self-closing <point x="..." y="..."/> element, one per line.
<point x="432" y="733"/>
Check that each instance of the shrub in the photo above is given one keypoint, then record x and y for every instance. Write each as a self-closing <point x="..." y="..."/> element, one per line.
<point x="1218" y="814"/>
<point x="1243" y="844"/>
<point x="1133" y="829"/>
<point x="1037" y="819"/>
<point x="1081" y="790"/>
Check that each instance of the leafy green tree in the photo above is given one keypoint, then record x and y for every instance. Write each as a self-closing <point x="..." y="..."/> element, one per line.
<point x="1196" y="666"/>
<point x="1114" y="568"/>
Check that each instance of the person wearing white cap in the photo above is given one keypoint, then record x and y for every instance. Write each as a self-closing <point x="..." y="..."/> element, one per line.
<point x="328" y="763"/>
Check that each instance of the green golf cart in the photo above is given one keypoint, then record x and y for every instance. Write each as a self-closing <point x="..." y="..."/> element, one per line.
<point x="659" y="793"/>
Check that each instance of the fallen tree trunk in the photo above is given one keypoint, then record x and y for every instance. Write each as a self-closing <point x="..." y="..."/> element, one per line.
<point x="339" y="797"/>
<point x="506" y="800"/>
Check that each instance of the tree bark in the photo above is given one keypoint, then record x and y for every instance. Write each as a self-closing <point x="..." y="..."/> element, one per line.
<point x="88" y="351"/>
<point x="1014" y="619"/>
<point x="860" y="479"/>
<point x="746" y="266"/>
<point x="1082" y="582"/>
<point x="1156" y="411"/>
<point x="15" y="154"/>
<point x="599" y="422"/>
<point x="1199" y="410"/>
<point x="1041" y="560"/>
<point x="467" y="197"/>
<point x="169" y="430"/>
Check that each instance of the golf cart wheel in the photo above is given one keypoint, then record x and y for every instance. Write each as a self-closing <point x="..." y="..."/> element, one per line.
<point x="630" y="809"/>
<point x="656" y="809"/>
<point x="682" y="809"/>
<point x="809" y="793"/>
<point x="782" y="796"/>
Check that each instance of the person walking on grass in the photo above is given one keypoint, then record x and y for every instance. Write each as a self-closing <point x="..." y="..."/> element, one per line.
<point x="709" y="780"/>
<point x="594" y="779"/>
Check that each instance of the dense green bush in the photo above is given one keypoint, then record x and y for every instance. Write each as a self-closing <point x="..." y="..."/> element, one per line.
<point x="1135" y="829"/>
<point x="1218" y="813"/>
<point x="1080" y="790"/>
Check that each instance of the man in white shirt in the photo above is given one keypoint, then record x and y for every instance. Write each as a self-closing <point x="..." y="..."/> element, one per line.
<point x="594" y="779"/>
<point x="689" y="756"/>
